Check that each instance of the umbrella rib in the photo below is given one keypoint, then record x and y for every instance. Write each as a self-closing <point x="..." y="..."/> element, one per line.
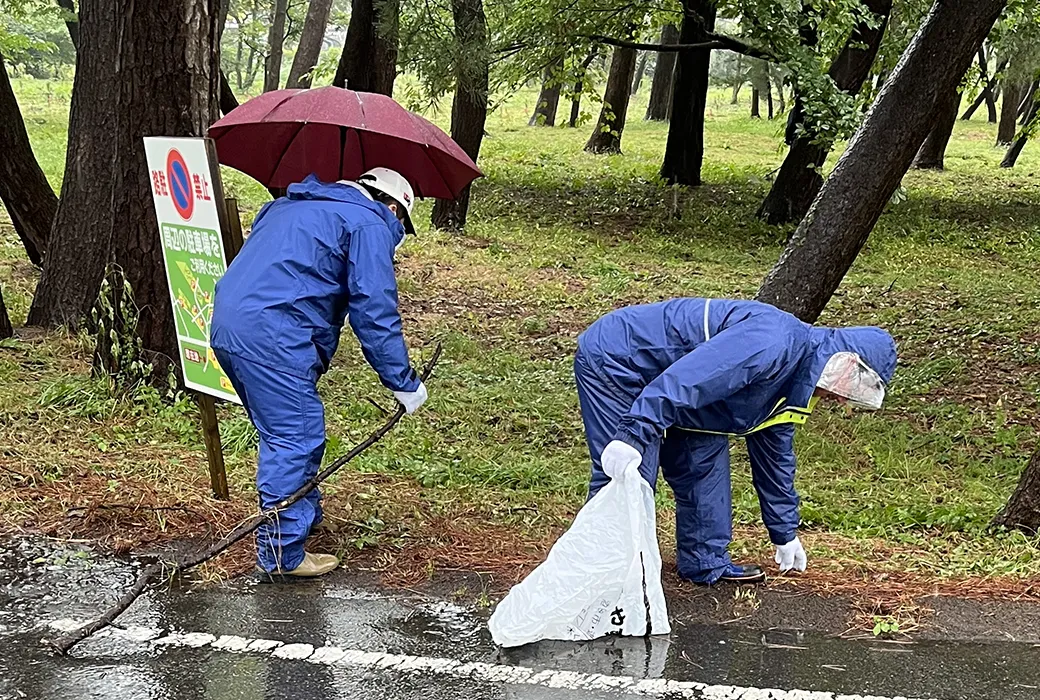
<point x="278" y="164"/>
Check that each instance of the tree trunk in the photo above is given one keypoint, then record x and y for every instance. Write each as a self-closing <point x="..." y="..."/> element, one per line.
<point x="756" y="99"/>
<point x="1022" y="511"/>
<point x="799" y="180"/>
<point x="657" y="110"/>
<point x="684" y="151"/>
<point x="548" y="97"/>
<point x="738" y="80"/>
<point x="6" y="330"/>
<point x="1027" y="101"/>
<point x="1011" y="157"/>
<point x="930" y="156"/>
<point x="309" y="49"/>
<point x="606" y="137"/>
<point x="369" y="59"/>
<point x="1008" y="126"/>
<point x="275" y="42"/>
<point x="769" y="97"/>
<point x="228" y="101"/>
<point x="640" y="70"/>
<point x="779" y="82"/>
<point x="469" y="107"/>
<point x="878" y="156"/>
<point x="80" y="239"/>
<point x="72" y="23"/>
<point x="181" y="70"/>
<point x="579" y="86"/>
<point x="24" y="189"/>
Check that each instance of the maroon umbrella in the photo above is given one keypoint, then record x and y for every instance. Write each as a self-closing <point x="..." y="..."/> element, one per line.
<point x="282" y="136"/>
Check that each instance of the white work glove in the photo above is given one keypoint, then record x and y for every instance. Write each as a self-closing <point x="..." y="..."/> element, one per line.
<point x="791" y="556"/>
<point x="412" y="400"/>
<point x="618" y="457"/>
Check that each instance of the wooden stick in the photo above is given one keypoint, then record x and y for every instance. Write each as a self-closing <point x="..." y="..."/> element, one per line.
<point x="152" y="572"/>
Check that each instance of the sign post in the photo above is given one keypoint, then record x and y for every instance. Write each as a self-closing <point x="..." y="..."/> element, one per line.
<point x="199" y="237"/>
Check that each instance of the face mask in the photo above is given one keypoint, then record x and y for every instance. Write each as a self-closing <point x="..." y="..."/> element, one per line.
<point x="848" y="376"/>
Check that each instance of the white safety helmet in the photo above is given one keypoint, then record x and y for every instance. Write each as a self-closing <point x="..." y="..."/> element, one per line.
<point x="392" y="183"/>
<point x="849" y="377"/>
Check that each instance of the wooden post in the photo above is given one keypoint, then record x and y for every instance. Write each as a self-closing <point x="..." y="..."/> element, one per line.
<point x="231" y="233"/>
<point x="214" y="450"/>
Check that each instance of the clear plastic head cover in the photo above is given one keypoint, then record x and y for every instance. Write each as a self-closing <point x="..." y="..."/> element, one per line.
<point x="848" y="376"/>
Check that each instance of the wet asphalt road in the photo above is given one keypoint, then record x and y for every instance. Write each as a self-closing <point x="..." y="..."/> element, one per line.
<point x="39" y="584"/>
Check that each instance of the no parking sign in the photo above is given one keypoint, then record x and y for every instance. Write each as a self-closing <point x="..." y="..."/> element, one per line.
<point x="184" y="186"/>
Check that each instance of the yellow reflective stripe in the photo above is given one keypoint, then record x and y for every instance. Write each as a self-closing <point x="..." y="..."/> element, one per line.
<point x="793" y="414"/>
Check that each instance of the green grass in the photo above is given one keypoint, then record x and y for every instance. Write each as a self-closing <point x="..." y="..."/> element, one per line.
<point x="558" y="237"/>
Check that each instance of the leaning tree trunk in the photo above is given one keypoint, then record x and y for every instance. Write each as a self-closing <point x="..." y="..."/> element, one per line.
<point x="1008" y="126"/>
<point x="606" y="138"/>
<point x="369" y="59"/>
<point x="309" y="49"/>
<point x="640" y="70"/>
<point x="1027" y="101"/>
<point x="71" y="22"/>
<point x="228" y="101"/>
<point x="660" y="104"/>
<point x="684" y="151"/>
<point x="579" y="86"/>
<point x="80" y="239"/>
<point x="469" y="108"/>
<point x="24" y="189"/>
<point x="182" y="70"/>
<point x="878" y="156"/>
<point x="1022" y="511"/>
<point x="275" y="42"/>
<point x="548" y="97"/>
<point x="799" y="179"/>
<point x="1011" y="157"/>
<point x="932" y="151"/>
<point x="6" y="330"/>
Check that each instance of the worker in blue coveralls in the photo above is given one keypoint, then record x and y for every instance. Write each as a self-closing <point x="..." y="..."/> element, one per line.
<point x="323" y="252"/>
<point x="671" y="383"/>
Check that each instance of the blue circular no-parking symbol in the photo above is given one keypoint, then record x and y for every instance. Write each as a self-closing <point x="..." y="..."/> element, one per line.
<point x="180" y="184"/>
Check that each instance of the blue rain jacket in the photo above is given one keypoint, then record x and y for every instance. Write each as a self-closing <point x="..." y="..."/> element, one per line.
<point x="322" y="253"/>
<point x="712" y="368"/>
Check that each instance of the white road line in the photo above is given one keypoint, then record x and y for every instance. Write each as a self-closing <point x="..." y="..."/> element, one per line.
<point x="450" y="668"/>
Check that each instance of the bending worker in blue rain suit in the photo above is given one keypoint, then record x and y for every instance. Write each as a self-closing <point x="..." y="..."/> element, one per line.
<point x="670" y="383"/>
<point x="322" y="253"/>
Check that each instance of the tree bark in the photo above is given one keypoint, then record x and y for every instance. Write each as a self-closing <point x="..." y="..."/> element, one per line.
<point x="640" y="70"/>
<point x="548" y="97"/>
<point x="1011" y="157"/>
<point x="275" y="42"/>
<point x="684" y="151"/>
<point x="309" y="49"/>
<point x="756" y="102"/>
<point x="73" y="23"/>
<point x="606" y="138"/>
<point x="878" y="156"/>
<point x="1008" y="125"/>
<point x="579" y="86"/>
<point x="80" y="239"/>
<point x="930" y="156"/>
<point x="181" y="70"/>
<point x="469" y="107"/>
<point x="24" y="189"/>
<point x="659" y="107"/>
<point x="369" y="59"/>
<point x="769" y="96"/>
<point x="1022" y="511"/>
<point x="799" y="180"/>
<point x="6" y="330"/>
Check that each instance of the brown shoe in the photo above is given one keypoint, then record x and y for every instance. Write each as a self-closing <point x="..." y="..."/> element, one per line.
<point x="312" y="565"/>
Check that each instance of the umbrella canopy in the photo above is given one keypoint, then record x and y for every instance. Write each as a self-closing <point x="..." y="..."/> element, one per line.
<point x="283" y="136"/>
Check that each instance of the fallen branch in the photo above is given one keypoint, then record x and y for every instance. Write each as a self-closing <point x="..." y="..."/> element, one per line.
<point x="155" y="571"/>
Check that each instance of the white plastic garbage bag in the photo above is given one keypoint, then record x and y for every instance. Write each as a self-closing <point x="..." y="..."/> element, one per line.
<point x="602" y="577"/>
